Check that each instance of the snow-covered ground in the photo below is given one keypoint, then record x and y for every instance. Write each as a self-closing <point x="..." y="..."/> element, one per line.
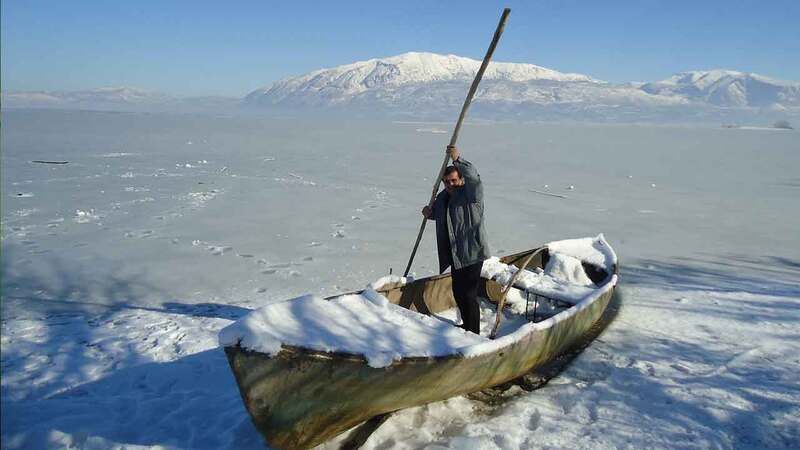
<point x="120" y="268"/>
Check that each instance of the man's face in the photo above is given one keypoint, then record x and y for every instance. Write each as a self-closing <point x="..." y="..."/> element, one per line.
<point x="452" y="181"/>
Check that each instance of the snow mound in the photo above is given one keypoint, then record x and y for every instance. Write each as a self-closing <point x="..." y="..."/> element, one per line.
<point x="595" y="251"/>
<point x="567" y="268"/>
<point x="390" y="281"/>
<point x="366" y="324"/>
<point x="564" y="277"/>
<point x="542" y="282"/>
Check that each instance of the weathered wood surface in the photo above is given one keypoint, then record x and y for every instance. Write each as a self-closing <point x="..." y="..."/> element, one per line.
<point x="300" y="398"/>
<point x="502" y="300"/>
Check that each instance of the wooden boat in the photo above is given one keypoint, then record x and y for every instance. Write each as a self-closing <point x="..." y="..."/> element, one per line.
<point x="301" y="397"/>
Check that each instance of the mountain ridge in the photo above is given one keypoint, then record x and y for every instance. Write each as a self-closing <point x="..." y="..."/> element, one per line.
<point x="429" y="85"/>
<point x="382" y="78"/>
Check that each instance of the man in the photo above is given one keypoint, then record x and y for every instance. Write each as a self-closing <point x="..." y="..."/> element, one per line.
<point x="460" y="234"/>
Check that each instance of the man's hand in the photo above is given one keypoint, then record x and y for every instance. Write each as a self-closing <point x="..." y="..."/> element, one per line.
<point x="426" y="211"/>
<point x="452" y="151"/>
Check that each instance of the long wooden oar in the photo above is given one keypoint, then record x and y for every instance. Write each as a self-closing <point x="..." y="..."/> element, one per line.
<point x="497" y="33"/>
<point x="502" y="300"/>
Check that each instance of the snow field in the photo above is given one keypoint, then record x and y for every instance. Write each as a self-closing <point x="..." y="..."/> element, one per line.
<point x="109" y="327"/>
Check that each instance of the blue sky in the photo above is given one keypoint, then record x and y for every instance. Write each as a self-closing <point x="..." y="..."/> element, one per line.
<point x="231" y="48"/>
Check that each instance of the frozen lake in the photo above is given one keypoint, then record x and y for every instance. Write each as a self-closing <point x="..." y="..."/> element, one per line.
<point x="120" y="267"/>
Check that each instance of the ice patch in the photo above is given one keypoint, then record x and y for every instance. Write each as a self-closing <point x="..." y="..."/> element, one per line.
<point x="117" y="154"/>
<point x="295" y="179"/>
<point x="85" y="216"/>
<point x="25" y="212"/>
<point x="431" y="130"/>
<point x="199" y="199"/>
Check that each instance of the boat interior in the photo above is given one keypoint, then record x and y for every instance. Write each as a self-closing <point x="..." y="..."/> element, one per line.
<point x="433" y="296"/>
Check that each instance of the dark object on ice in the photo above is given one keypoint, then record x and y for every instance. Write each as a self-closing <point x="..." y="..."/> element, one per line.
<point x="39" y="161"/>
<point x="782" y="124"/>
<point x="299" y="397"/>
<point x="547" y="193"/>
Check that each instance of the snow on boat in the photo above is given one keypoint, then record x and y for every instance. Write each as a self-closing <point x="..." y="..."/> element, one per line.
<point x="310" y="368"/>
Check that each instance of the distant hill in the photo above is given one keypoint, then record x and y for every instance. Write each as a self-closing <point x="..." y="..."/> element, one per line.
<point x="728" y="88"/>
<point x="114" y="99"/>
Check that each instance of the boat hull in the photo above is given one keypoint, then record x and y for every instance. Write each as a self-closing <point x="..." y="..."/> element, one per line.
<point x="300" y="398"/>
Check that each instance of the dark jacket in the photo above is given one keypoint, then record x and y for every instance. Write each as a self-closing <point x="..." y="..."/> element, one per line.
<point x="459" y="221"/>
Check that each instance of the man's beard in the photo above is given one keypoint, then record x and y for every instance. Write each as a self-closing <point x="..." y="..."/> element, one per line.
<point x="451" y="189"/>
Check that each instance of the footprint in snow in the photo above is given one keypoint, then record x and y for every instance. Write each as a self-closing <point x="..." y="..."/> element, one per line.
<point x="218" y="250"/>
<point x="535" y="419"/>
<point x="646" y="367"/>
<point x="269" y="271"/>
<point x="681" y="368"/>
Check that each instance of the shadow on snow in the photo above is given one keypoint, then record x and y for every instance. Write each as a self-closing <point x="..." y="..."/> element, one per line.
<point x="65" y="370"/>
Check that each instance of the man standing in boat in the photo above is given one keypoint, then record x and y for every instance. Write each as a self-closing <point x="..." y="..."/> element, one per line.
<point x="460" y="234"/>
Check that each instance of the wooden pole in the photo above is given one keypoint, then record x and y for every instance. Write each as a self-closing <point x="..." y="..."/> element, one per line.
<point x="502" y="300"/>
<point x="497" y="33"/>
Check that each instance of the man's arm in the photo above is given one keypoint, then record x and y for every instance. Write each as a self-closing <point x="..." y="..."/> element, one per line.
<point x="466" y="168"/>
<point x="468" y="171"/>
<point x="430" y="211"/>
<point x="472" y="181"/>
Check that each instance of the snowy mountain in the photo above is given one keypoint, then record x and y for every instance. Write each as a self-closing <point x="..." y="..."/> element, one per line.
<point x="728" y="88"/>
<point x="427" y="84"/>
<point x="344" y="83"/>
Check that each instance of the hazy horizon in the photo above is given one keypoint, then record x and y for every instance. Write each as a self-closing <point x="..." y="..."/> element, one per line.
<point x="229" y="51"/>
